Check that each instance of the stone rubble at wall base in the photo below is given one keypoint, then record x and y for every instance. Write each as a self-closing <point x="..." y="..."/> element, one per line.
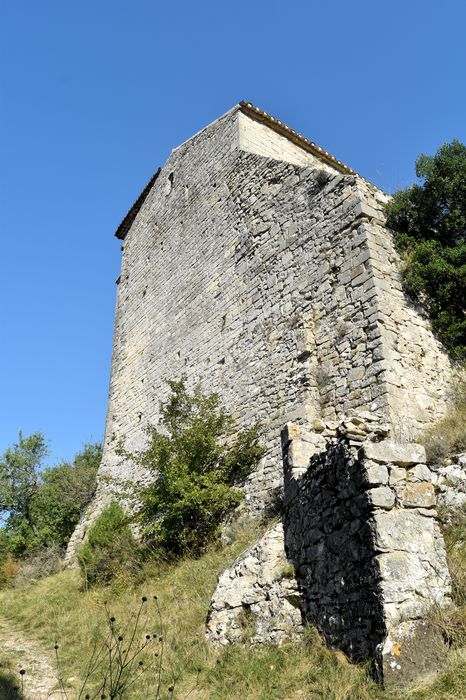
<point x="450" y="482"/>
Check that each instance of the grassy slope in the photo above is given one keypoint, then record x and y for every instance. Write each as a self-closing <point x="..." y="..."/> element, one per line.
<point x="57" y="608"/>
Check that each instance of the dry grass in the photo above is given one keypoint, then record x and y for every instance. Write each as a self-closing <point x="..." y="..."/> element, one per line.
<point x="452" y="620"/>
<point x="9" y="684"/>
<point x="58" y="608"/>
<point x="448" y="436"/>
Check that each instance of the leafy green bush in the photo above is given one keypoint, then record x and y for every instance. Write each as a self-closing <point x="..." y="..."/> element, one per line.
<point x="198" y="461"/>
<point x="110" y="547"/>
<point x="429" y="221"/>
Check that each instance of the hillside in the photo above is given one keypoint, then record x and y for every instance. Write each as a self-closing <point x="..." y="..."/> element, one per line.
<point x="58" y="609"/>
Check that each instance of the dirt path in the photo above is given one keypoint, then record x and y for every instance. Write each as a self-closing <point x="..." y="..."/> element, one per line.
<point x="40" y="678"/>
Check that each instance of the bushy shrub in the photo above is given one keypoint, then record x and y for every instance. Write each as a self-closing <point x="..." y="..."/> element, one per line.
<point x="9" y="569"/>
<point x="429" y="220"/>
<point x="198" y="460"/>
<point x="44" y="562"/>
<point x="109" y="548"/>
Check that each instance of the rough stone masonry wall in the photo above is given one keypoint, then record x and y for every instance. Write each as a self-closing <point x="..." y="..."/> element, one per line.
<point x="364" y="558"/>
<point x="360" y="529"/>
<point x="411" y="362"/>
<point x="264" y="280"/>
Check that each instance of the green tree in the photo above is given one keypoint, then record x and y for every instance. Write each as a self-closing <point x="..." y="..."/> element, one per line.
<point x="19" y="481"/>
<point x="41" y="507"/>
<point x="429" y="220"/>
<point x="63" y="494"/>
<point x="198" y="460"/>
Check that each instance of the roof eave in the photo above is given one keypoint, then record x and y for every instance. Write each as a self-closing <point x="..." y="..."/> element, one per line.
<point x="125" y="225"/>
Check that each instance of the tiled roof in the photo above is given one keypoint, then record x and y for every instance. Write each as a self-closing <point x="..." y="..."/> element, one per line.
<point x="278" y="126"/>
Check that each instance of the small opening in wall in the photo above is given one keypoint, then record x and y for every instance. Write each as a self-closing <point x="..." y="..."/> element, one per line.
<point x="178" y="354"/>
<point x="224" y="321"/>
<point x="169" y="184"/>
<point x="222" y="361"/>
<point x="322" y="178"/>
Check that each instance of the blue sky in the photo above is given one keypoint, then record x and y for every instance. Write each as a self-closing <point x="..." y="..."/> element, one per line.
<point x="95" y="94"/>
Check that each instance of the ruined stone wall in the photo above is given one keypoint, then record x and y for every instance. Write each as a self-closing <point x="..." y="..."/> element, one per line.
<point x="360" y="529"/>
<point x="263" y="274"/>
<point x="365" y="559"/>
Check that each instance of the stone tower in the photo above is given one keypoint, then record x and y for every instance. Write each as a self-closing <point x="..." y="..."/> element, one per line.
<point x="259" y="266"/>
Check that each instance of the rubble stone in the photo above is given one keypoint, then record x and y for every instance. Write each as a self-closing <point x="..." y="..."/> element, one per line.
<point x="257" y="599"/>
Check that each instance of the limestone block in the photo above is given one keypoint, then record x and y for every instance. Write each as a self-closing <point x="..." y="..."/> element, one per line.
<point x="450" y="480"/>
<point x="411" y="649"/>
<point x="382" y="497"/>
<point x="261" y="588"/>
<point x="405" y="575"/>
<point x="376" y="474"/>
<point x="420" y="472"/>
<point x="418" y="495"/>
<point x="402" y="454"/>
<point x="397" y="475"/>
<point x="408" y="530"/>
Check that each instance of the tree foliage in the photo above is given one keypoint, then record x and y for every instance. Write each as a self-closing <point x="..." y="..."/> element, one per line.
<point x="429" y="220"/>
<point x="198" y="460"/>
<point x="41" y="506"/>
<point x="64" y="492"/>
<point x="19" y="481"/>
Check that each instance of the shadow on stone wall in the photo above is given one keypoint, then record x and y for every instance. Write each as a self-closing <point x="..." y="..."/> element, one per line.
<point x="328" y="537"/>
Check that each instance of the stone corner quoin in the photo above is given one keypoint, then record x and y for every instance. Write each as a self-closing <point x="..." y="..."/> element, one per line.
<point x="259" y="266"/>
